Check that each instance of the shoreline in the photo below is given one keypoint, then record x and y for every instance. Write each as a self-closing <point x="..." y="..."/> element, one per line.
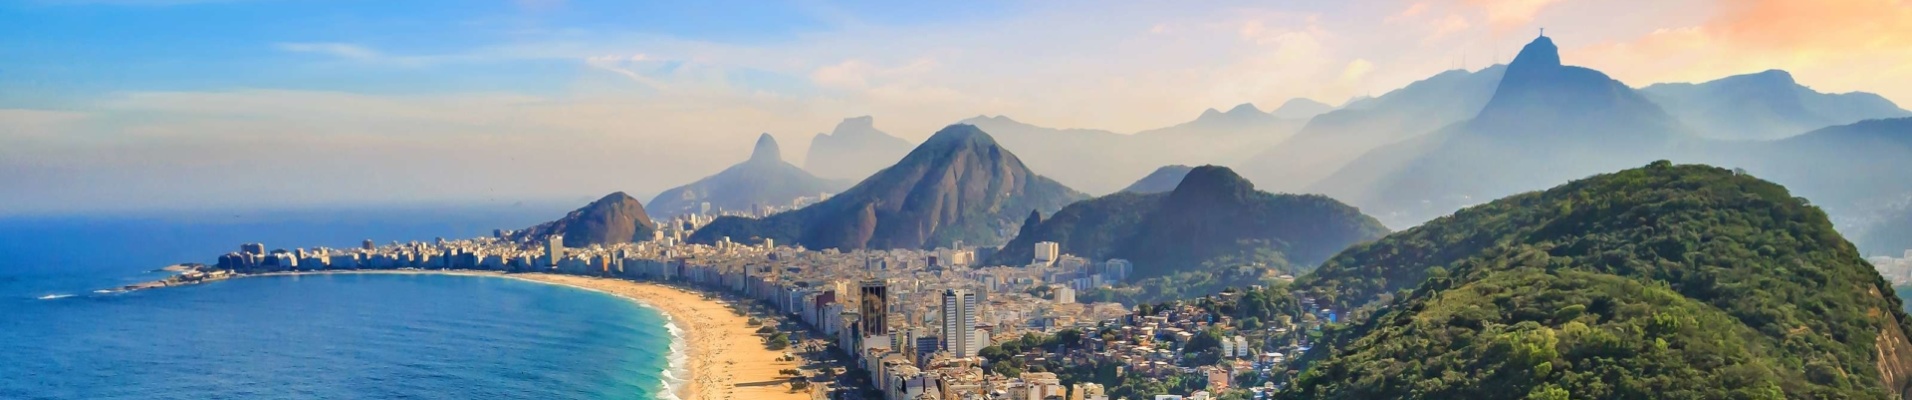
<point x="723" y="355"/>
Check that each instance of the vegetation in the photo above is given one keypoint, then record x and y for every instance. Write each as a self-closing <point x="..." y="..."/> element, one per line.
<point x="1657" y="282"/>
<point x="1213" y="231"/>
<point x="778" y="341"/>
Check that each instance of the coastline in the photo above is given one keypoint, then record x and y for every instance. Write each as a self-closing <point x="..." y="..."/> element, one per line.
<point x="724" y="356"/>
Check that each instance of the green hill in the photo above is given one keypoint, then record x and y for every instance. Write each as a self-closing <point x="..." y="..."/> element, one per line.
<point x="1213" y="220"/>
<point x="1657" y="282"/>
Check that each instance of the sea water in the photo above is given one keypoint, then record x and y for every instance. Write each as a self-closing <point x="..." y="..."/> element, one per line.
<point x="305" y="337"/>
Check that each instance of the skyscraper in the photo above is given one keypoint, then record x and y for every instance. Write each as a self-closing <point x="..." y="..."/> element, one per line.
<point x="875" y="306"/>
<point x="553" y="250"/>
<point x="959" y="323"/>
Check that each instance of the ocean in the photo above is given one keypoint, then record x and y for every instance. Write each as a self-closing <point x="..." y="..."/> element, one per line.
<point x="307" y="337"/>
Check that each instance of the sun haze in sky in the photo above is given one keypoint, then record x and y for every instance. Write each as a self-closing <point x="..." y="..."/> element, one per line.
<point x="110" y="105"/>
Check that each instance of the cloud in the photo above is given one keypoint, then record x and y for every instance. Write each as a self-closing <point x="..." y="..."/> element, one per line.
<point x="1837" y="45"/>
<point x="33" y="124"/>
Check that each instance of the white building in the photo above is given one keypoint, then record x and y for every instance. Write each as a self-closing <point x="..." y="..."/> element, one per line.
<point x="959" y="323"/>
<point x="1047" y="253"/>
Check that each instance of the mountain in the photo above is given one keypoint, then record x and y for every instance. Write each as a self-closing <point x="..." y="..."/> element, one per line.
<point x="1162" y="180"/>
<point x="764" y="179"/>
<point x="1856" y="172"/>
<point x="1212" y="219"/>
<point x="616" y="218"/>
<point x="854" y="150"/>
<point x="1101" y="161"/>
<point x="1332" y="139"/>
<point x="958" y="186"/>
<point x="1657" y="282"/>
<point x="1300" y="109"/>
<point x="1765" y="106"/>
<point x="1546" y="122"/>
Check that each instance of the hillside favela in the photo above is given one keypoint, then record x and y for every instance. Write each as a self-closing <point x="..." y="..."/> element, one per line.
<point x="1370" y="199"/>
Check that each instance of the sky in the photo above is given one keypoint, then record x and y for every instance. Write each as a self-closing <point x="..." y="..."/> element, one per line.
<point x="125" y="105"/>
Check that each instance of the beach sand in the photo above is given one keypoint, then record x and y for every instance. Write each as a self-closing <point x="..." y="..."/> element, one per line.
<point x="727" y="359"/>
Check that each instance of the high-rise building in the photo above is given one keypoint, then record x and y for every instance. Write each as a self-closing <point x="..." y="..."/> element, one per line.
<point x="1116" y="269"/>
<point x="253" y="248"/>
<point x="368" y="245"/>
<point x="554" y="249"/>
<point x="1047" y="253"/>
<point x="959" y="323"/>
<point x="874" y="304"/>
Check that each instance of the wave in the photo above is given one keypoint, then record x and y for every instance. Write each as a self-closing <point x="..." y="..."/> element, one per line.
<point x="55" y="296"/>
<point x="679" y="361"/>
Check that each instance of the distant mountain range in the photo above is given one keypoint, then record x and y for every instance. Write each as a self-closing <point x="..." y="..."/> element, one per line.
<point x="1100" y="161"/>
<point x="1546" y="123"/>
<point x="763" y="180"/>
<point x="1213" y="219"/>
<point x="1331" y="140"/>
<point x="1765" y="106"/>
<point x="615" y="218"/>
<point x="1657" y="282"/>
<point x="958" y="186"/>
<point x="1162" y="180"/>
<point x="854" y="150"/>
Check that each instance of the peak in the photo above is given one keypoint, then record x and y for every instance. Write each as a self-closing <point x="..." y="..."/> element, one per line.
<point x="1244" y="108"/>
<point x="960" y="134"/>
<point x="1776" y="75"/>
<point x="1301" y="108"/>
<point x="1210" y="113"/>
<point x="766" y="150"/>
<point x="1209" y="180"/>
<point x="1540" y="53"/>
<point x="614" y="198"/>
<point x="855" y="125"/>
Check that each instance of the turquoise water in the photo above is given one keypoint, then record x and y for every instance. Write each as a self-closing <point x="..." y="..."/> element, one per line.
<point x="306" y="337"/>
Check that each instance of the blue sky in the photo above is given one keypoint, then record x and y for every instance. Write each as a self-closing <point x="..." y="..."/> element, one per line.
<point x="251" y="103"/>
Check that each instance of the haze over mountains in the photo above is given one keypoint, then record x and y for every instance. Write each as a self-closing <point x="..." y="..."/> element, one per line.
<point x="1768" y="105"/>
<point x="958" y="186"/>
<point x="854" y="150"/>
<point x="1546" y="123"/>
<point x="764" y="179"/>
<point x="1099" y="161"/>
<point x="1211" y="216"/>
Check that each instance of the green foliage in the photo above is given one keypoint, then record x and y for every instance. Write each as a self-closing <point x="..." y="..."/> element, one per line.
<point x="778" y="341"/>
<point x="1212" y="232"/>
<point x="1658" y="282"/>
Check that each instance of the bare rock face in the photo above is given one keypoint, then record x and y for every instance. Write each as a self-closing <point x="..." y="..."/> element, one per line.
<point x="616" y="218"/>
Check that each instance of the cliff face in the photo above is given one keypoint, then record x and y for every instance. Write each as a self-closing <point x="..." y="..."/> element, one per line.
<point x="957" y="186"/>
<point x="615" y="218"/>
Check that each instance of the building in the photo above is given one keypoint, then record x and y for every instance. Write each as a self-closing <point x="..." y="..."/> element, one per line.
<point x="553" y="250"/>
<point x="1064" y="294"/>
<point x="1047" y="253"/>
<point x="874" y="303"/>
<point x="1116" y="270"/>
<point x="253" y="248"/>
<point x="959" y="323"/>
<point x="368" y="245"/>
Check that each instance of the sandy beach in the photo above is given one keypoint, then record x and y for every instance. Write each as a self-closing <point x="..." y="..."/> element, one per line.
<point x="727" y="359"/>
